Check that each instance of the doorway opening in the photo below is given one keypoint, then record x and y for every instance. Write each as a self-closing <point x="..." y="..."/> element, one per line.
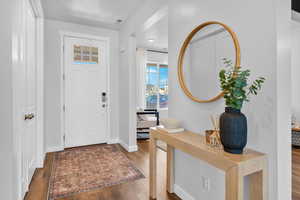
<point x="152" y="71"/>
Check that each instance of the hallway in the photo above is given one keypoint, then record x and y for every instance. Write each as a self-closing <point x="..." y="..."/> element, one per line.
<point x="86" y="73"/>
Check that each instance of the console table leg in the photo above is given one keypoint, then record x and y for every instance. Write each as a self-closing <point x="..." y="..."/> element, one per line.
<point x="234" y="184"/>
<point x="170" y="169"/>
<point x="258" y="185"/>
<point x="153" y="167"/>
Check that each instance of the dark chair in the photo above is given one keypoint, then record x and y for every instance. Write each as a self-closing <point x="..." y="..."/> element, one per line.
<point x="145" y="120"/>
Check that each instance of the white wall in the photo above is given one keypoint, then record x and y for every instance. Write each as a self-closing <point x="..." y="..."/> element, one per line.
<point x="6" y="139"/>
<point x="262" y="28"/>
<point x="11" y="21"/>
<point x="141" y="60"/>
<point x="128" y="70"/>
<point x="296" y="69"/>
<point x="52" y="77"/>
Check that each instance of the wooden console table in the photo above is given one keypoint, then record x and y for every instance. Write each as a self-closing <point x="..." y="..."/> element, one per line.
<point x="250" y="163"/>
<point x="296" y="129"/>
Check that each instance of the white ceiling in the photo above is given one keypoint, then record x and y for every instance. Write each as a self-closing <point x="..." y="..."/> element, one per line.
<point x="104" y="13"/>
<point x="157" y="32"/>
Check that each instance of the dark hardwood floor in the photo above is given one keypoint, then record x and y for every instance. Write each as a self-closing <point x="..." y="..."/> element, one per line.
<point x="136" y="190"/>
<point x="296" y="173"/>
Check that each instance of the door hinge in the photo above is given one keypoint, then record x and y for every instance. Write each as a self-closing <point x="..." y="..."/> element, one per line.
<point x="64" y="108"/>
<point x="64" y="77"/>
<point x="64" y="138"/>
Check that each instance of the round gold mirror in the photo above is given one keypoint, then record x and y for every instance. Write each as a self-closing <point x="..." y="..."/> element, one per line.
<point x="202" y="57"/>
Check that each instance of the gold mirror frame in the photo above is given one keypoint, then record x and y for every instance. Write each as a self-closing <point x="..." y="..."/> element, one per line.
<point x="182" y="53"/>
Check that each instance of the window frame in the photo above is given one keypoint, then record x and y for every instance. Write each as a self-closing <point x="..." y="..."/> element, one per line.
<point x="158" y="64"/>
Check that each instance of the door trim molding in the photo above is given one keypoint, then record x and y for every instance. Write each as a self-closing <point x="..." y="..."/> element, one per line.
<point x="37" y="8"/>
<point x="40" y="91"/>
<point x="132" y="143"/>
<point x="64" y="34"/>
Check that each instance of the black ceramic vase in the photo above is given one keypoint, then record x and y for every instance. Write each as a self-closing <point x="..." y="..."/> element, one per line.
<point x="233" y="130"/>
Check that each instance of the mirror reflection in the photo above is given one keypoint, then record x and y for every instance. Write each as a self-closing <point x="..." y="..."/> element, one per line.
<point x="204" y="58"/>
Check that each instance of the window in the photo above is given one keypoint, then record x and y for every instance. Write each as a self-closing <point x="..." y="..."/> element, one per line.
<point x="85" y="55"/>
<point x="156" y="86"/>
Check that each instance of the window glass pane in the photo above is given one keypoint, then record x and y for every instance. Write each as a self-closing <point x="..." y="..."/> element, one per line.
<point x="94" y="54"/>
<point x="163" y="86"/>
<point x="77" y="53"/>
<point x="85" y="55"/>
<point x="151" y="86"/>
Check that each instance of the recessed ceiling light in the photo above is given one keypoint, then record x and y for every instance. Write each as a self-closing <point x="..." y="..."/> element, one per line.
<point x="151" y="40"/>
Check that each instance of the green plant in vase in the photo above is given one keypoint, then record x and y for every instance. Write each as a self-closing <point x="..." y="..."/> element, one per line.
<point x="236" y="90"/>
<point x="234" y="84"/>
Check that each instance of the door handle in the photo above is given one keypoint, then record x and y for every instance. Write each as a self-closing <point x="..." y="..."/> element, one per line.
<point x="29" y="116"/>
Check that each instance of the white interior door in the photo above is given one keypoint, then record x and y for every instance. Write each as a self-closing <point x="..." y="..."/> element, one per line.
<point x="85" y="91"/>
<point x="29" y="143"/>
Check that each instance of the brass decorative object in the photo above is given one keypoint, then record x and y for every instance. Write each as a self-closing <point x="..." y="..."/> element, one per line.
<point x="213" y="136"/>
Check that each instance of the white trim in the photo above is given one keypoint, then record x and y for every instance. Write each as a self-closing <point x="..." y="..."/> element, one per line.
<point x="128" y="148"/>
<point x="62" y="97"/>
<point x="37" y="8"/>
<point x="40" y="91"/>
<point x="64" y="34"/>
<point x="82" y="35"/>
<point x="113" y="141"/>
<point x="182" y="193"/>
<point x="54" y="149"/>
<point x="132" y="137"/>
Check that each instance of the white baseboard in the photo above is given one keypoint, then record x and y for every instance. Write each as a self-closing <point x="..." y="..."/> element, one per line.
<point x="128" y="148"/>
<point x="133" y="148"/>
<point x="54" y="149"/>
<point x="40" y="163"/>
<point x="182" y="193"/>
<point x="113" y="141"/>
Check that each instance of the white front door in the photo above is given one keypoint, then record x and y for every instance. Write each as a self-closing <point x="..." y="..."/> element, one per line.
<point x="85" y="91"/>
<point x="29" y="143"/>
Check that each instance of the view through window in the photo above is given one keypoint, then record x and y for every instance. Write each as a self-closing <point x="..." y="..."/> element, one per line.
<point x="156" y="86"/>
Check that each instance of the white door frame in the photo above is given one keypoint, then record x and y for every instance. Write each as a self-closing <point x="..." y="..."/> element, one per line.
<point x="64" y="34"/>
<point x="39" y="13"/>
<point x="39" y="16"/>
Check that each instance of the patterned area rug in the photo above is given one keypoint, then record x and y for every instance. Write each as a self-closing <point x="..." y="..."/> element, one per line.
<point x="87" y="168"/>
